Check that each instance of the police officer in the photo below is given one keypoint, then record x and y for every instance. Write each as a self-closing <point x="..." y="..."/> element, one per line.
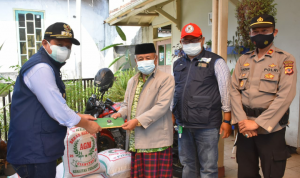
<point x="202" y="81"/>
<point x="39" y="114"/>
<point x="263" y="87"/>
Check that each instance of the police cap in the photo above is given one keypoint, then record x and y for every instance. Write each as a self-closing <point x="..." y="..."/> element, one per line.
<point x="264" y="20"/>
<point x="60" y="30"/>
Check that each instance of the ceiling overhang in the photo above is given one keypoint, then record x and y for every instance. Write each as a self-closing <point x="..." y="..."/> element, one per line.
<point x="143" y="13"/>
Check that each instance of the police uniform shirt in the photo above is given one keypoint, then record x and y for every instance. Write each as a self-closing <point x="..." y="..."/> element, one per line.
<point x="268" y="83"/>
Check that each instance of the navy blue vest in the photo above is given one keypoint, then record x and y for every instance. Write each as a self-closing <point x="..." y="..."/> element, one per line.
<point x="197" y="100"/>
<point x="34" y="137"/>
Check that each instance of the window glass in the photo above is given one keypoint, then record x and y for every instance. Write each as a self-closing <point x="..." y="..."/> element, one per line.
<point x="30" y="53"/>
<point x="168" y="54"/>
<point x="22" y="34"/>
<point x="161" y="55"/>
<point x="38" y="35"/>
<point x="38" y="23"/>
<point x="30" y="41"/>
<point x="38" y="45"/>
<point x="30" y="29"/>
<point x="21" y="20"/>
<point x="23" y="59"/>
<point x="23" y="48"/>
<point x="29" y="16"/>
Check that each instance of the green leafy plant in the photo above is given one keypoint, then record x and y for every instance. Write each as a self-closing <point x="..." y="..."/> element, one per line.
<point x="208" y="43"/>
<point x="245" y="11"/>
<point x="117" y="91"/>
<point x="127" y="55"/>
<point x="76" y="94"/>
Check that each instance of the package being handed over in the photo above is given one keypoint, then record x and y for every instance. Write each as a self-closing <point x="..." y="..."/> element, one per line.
<point x="116" y="163"/>
<point x="80" y="156"/>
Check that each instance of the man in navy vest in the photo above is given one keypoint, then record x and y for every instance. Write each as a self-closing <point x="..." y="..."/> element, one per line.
<point x="202" y="81"/>
<point x="39" y="113"/>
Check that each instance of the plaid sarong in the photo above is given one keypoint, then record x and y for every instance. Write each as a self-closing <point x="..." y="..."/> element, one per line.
<point x="152" y="165"/>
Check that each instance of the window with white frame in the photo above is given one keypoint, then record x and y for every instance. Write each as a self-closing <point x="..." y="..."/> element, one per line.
<point x="30" y="33"/>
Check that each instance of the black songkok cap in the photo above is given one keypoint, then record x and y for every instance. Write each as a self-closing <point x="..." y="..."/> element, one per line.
<point x="264" y="20"/>
<point x="144" y="48"/>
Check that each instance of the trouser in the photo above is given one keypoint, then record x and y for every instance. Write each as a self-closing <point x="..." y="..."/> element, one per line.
<point x="41" y="170"/>
<point x="270" y="148"/>
<point x="198" y="152"/>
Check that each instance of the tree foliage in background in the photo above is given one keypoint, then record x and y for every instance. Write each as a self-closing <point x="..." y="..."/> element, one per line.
<point x="117" y="92"/>
<point x="245" y="11"/>
<point x="76" y="95"/>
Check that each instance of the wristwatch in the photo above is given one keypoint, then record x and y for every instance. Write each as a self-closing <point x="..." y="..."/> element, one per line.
<point x="139" y="124"/>
<point x="228" y="122"/>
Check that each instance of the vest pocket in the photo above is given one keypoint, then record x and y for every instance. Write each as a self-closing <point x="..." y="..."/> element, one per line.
<point x="199" y="109"/>
<point x="177" y="72"/>
<point x="268" y="82"/>
<point x="53" y="143"/>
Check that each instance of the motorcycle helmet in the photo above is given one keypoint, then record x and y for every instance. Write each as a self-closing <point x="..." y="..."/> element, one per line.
<point x="104" y="79"/>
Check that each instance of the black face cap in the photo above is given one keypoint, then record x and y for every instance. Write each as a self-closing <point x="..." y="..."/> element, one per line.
<point x="61" y="30"/>
<point x="262" y="21"/>
<point x="145" y="48"/>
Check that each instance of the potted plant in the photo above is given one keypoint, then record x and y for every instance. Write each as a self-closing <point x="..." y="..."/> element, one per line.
<point x="245" y="11"/>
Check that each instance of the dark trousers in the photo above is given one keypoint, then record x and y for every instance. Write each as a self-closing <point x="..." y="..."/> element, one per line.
<point x="270" y="148"/>
<point x="41" y="170"/>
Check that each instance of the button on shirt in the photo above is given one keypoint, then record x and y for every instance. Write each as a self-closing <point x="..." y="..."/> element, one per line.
<point x="40" y="80"/>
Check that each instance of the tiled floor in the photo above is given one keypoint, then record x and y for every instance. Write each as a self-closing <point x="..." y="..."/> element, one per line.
<point x="292" y="167"/>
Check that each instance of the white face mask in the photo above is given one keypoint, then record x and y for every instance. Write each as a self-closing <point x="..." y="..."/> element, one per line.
<point x="192" y="49"/>
<point x="59" y="54"/>
<point x="146" y="67"/>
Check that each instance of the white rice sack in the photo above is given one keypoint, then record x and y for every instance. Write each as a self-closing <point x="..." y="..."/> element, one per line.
<point x="116" y="163"/>
<point x="80" y="156"/>
<point x="60" y="171"/>
<point x="14" y="176"/>
<point x="101" y="175"/>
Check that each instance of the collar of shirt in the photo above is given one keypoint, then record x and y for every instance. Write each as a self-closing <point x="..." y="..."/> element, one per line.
<point x="269" y="53"/>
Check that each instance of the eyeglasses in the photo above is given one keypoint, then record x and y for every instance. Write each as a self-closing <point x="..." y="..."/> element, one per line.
<point x="196" y="40"/>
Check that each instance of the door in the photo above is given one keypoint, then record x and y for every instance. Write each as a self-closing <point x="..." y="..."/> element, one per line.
<point x="164" y="53"/>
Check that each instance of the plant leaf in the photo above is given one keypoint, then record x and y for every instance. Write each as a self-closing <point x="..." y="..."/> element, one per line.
<point x="115" y="60"/>
<point x="110" y="46"/>
<point x="122" y="65"/>
<point x="121" y="33"/>
<point x="1" y="46"/>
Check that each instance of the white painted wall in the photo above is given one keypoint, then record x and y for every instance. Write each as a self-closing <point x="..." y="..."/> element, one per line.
<point x="288" y="39"/>
<point x="93" y="31"/>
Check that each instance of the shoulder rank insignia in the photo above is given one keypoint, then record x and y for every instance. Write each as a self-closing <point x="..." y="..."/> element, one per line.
<point x="272" y="65"/>
<point x="269" y="76"/>
<point x="246" y="64"/>
<point x="270" y="51"/>
<point x="288" y="66"/>
<point x="242" y="83"/>
<point x="243" y="75"/>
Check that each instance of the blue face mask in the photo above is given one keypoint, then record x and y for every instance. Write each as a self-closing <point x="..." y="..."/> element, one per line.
<point x="146" y="67"/>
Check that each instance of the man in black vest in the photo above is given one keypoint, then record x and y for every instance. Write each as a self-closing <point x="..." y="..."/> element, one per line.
<point x="202" y="81"/>
<point x="39" y="113"/>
